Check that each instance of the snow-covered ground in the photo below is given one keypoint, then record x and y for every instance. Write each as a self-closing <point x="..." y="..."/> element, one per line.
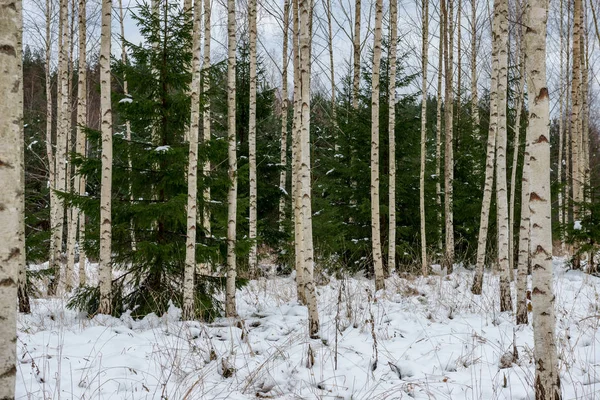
<point x="431" y="337"/>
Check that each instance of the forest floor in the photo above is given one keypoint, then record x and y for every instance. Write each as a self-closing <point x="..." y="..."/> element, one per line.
<point x="423" y="338"/>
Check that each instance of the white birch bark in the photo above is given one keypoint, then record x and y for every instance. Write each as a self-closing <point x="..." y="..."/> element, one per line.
<point x="424" y="49"/>
<point x="104" y="265"/>
<point x="230" y="305"/>
<point x="18" y="110"/>
<point x="284" y="113"/>
<point x="585" y="137"/>
<point x="458" y="62"/>
<point x="489" y="176"/>
<point x="204" y="268"/>
<point x="72" y="213"/>
<point x="62" y="128"/>
<point x="192" y="173"/>
<point x="501" y="30"/>
<point x="296" y="162"/>
<point x="576" y="114"/>
<point x="356" y="57"/>
<point x="516" y="146"/>
<point x="305" y="173"/>
<point x="375" y="224"/>
<point x="81" y="123"/>
<point x="332" y="68"/>
<point x="392" y="136"/>
<point x="438" y="135"/>
<point x="547" y="379"/>
<point x="127" y="123"/>
<point x="449" y="147"/>
<point x="561" y="133"/>
<point x="12" y="199"/>
<point x="524" y="233"/>
<point x="52" y="261"/>
<point x="474" y="97"/>
<point x="568" y="200"/>
<point x="252" y="234"/>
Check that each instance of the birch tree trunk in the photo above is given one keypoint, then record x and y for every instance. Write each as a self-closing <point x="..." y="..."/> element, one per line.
<point x="192" y="173"/>
<point x="62" y="128"/>
<point x="305" y="59"/>
<point x="252" y="262"/>
<point x="54" y="203"/>
<point x="12" y="199"/>
<point x="458" y="101"/>
<point x="547" y="379"/>
<point x="576" y="115"/>
<point x="392" y="136"/>
<point x="524" y="233"/>
<point x="585" y="153"/>
<point x="127" y="123"/>
<point x="489" y="175"/>
<point x="332" y="68"/>
<point x="72" y="213"/>
<point x="375" y="225"/>
<point x="296" y="161"/>
<point x="513" y="178"/>
<point x="501" y="30"/>
<point x="104" y="265"/>
<point x="8" y="139"/>
<point x="568" y="171"/>
<point x="230" y="305"/>
<point x="284" y="113"/>
<point x="81" y="123"/>
<point x="449" y="149"/>
<point x="356" y="58"/>
<point x="206" y="127"/>
<point x="561" y="101"/>
<point x="424" y="50"/>
<point x="474" y="97"/>
<point x="438" y="133"/>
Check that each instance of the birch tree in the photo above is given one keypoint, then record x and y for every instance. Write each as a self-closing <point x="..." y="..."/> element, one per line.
<point x="516" y="141"/>
<point x="192" y="173"/>
<point x="81" y="123"/>
<point x="576" y="114"/>
<point x="375" y="225"/>
<point x="356" y="58"/>
<point x="424" y="49"/>
<point x="62" y="128"/>
<point x="296" y="161"/>
<point x="457" y="104"/>
<point x="447" y="11"/>
<point x="438" y="131"/>
<point x="501" y="35"/>
<point x="230" y="305"/>
<point x="206" y="126"/>
<point x="54" y="202"/>
<point x="585" y="142"/>
<point x="284" y="112"/>
<point x="104" y="265"/>
<point x="71" y="212"/>
<point x="127" y="122"/>
<point x="547" y="378"/>
<point x="252" y="262"/>
<point x="392" y="135"/>
<point x="331" y="64"/>
<point x="12" y="199"/>
<point x="305" y="59"/>
<point x="561" y="102"/>
<point x="489" y="174"/>
<point x="474" y="97"/>
<point x="524" y="234"/>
